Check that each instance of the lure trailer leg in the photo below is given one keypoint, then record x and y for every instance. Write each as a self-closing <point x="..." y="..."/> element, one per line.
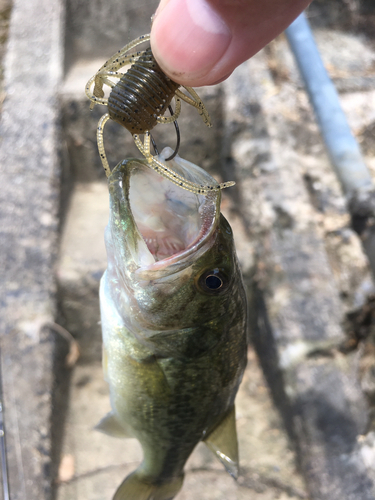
<point x="140" y="98"/>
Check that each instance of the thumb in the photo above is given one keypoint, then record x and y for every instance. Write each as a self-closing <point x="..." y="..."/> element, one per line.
<point x="200" y="42"/>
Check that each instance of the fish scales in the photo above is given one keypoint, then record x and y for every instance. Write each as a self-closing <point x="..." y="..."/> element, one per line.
<point x="174" y="326"/>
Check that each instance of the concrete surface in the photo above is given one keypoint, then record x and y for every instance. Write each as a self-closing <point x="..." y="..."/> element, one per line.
<point x="306" y="413"/>
<point x="298" y="310"/>
<point x="92" y="465"/>
<point x="29" y="206"/>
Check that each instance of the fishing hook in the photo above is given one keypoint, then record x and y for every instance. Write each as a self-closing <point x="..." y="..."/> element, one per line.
<point x="178" y="139"/>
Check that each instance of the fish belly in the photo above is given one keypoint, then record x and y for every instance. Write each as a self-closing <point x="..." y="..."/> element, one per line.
<point x="167" y="404"/>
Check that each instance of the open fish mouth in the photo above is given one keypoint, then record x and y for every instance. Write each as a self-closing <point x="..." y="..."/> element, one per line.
<point x="168" y="222"/>
<point x="167" y="217"/>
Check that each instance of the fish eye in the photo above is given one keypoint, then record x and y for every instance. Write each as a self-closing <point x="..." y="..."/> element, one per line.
<point x="213" y="282"/>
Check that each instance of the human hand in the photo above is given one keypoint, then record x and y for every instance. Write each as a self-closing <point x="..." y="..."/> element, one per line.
<point x="200" y="42"/>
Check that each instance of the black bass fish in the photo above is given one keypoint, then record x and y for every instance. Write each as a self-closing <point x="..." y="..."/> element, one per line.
<point x="173" y="312"/>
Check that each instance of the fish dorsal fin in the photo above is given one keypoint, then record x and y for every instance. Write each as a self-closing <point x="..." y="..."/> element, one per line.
<point x="222" y="441"/>
<point x="111" y="426"/>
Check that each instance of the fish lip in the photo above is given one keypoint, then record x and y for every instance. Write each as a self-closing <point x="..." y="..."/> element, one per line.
<point x="119" y="186"/>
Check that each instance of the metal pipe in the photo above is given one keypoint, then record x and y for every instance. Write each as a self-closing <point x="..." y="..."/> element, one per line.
<point x="342" y="147"/>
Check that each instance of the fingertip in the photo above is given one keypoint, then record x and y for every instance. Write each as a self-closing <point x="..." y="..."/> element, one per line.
<point x="188" y="38"/>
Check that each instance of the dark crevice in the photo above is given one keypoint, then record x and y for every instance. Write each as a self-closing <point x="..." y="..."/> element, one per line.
<point x="360" y="330"/>
<point x="360" y="326"/>
<point x="5" y="13"/>
<point x="264" y="343"/>
<point x="60" y="399"/>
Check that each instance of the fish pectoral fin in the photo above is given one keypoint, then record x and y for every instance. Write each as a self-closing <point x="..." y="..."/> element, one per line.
<point x="111" y="426"/>
<point x="222" y="441"/>
<point x="137" y="487"/>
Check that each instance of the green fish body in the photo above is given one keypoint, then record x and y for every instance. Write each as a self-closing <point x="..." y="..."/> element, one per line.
<point x="173" y="312"/>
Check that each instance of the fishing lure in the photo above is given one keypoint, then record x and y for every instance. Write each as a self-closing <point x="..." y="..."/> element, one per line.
<point x="138" y="102"/>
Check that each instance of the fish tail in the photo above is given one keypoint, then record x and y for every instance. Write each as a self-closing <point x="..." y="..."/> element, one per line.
<point x="137" y="487"/>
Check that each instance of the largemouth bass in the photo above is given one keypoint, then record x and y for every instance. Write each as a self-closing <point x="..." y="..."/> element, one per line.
<point x="173" y="312"/>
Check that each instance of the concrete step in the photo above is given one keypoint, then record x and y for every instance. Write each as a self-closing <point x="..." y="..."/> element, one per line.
<point x="307" y="403"/>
